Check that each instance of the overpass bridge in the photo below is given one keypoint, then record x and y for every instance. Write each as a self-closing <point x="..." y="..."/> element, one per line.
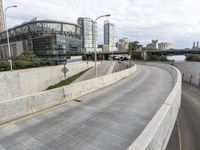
<point x="186" y="52"/>
<point x="135" y="113"/>
<point x="105" y="55"/>
<point x="172" y="52"/>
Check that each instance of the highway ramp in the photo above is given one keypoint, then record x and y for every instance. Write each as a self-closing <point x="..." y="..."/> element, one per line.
<point x="187" y="136"/>
<point x="109" y="119"/>
<point x="102" y="69"/>
<point x="120" y="65"/>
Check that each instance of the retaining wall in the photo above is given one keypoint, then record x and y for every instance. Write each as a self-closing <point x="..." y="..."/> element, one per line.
<point x="157" y="133"/>
<point x="27" y="105"/>
<point x="23" y="82"/>
<point x="190" y="72"/>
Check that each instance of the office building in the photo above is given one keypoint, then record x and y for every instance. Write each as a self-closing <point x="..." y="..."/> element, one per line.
<point x="160" y="46"/>
<point x="153" y="44"/>
<point x="123" y="45"/>
<point x="88" y="34"/>
<point x="105" y="48"/>
<point x="164" y="46"/>
<point x="46" y="38"/>
<point x="110" y="35"/>
<point x="1" y="17"/>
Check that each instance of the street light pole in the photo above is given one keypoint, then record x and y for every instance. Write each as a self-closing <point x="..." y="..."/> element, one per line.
<point x="95" y="46"/>
<point x="7" y="34"/>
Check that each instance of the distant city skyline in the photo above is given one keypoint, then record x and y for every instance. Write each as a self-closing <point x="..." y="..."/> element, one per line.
<point x="173" y="21"/>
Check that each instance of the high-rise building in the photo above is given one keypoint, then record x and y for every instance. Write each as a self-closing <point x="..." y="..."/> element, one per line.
<point x="153" y="44"/>
<point x="123" y="45"/>
<point x="88" y="33"/>
<point x="1" y="17"/>
<point x="109" y="35"/>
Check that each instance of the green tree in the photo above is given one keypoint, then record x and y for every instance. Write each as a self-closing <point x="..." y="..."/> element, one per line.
<point x="135" y="50"/>
<point x="134" y="46"/>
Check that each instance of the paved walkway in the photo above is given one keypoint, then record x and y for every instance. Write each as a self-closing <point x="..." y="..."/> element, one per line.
<point x="110" y="119"/>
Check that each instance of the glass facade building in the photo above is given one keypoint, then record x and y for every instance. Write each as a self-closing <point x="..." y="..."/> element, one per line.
<point x="110" y="35"/>
<point x="88" y="33"/>
<point x="47" y="39"/>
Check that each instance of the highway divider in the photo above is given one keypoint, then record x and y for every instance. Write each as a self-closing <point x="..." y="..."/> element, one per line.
<point x="158" y="131"/>
<point x="27" y="105"/>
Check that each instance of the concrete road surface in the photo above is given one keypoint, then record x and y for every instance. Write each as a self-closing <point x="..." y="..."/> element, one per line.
<point x="188" y="135"/>
<point x="110" y="119"/>
<point x="120" y="65"/>
<point x="102" y="69"/>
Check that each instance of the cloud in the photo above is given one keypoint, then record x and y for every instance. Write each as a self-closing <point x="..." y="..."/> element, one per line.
<point x="167" y="20"/>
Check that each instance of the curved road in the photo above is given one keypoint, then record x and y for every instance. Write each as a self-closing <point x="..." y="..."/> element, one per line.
<point x="119" y="66"/>
<point x="188" y="135"/>
<point x="102" y="69"/>
<point x="109" y="119"/>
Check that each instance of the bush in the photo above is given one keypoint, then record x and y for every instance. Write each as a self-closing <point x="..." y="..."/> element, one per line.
<point x="50" y="63"/>
<point x="193" y="58"/>
<point x="137" y="56"/>
<point x="34" y="63"/>
<point x="157" y="58"/>
<point x="4" y="65"/>
<point x="23" y="64"/>
<point x="47" y="63"/>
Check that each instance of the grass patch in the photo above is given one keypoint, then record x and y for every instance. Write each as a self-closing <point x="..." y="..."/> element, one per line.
<point x="67" y="81"/>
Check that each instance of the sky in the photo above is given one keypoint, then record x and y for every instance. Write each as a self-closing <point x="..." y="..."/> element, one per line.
<point x="176" y="21"/>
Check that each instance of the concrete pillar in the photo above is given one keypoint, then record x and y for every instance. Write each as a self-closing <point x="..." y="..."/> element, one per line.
<point x="144" y="55"/>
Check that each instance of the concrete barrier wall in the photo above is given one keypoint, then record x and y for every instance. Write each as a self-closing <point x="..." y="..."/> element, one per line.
<point x="27" y="105"/>
<point x="23" y="82"/>
<point x="190" y="72"/>
<point x="157" y="133"/>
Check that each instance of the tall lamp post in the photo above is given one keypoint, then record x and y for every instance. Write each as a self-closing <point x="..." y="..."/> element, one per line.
<point x="8" y="40"/>
<point x="95" y="47"/>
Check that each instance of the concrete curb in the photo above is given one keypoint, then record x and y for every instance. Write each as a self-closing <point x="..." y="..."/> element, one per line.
<point x="27" y="105"/>
<point x="157" y="133"/>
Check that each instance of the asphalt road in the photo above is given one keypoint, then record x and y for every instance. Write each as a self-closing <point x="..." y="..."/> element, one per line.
<point x="188" y="120"/>
<point x="109" y="119"/>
